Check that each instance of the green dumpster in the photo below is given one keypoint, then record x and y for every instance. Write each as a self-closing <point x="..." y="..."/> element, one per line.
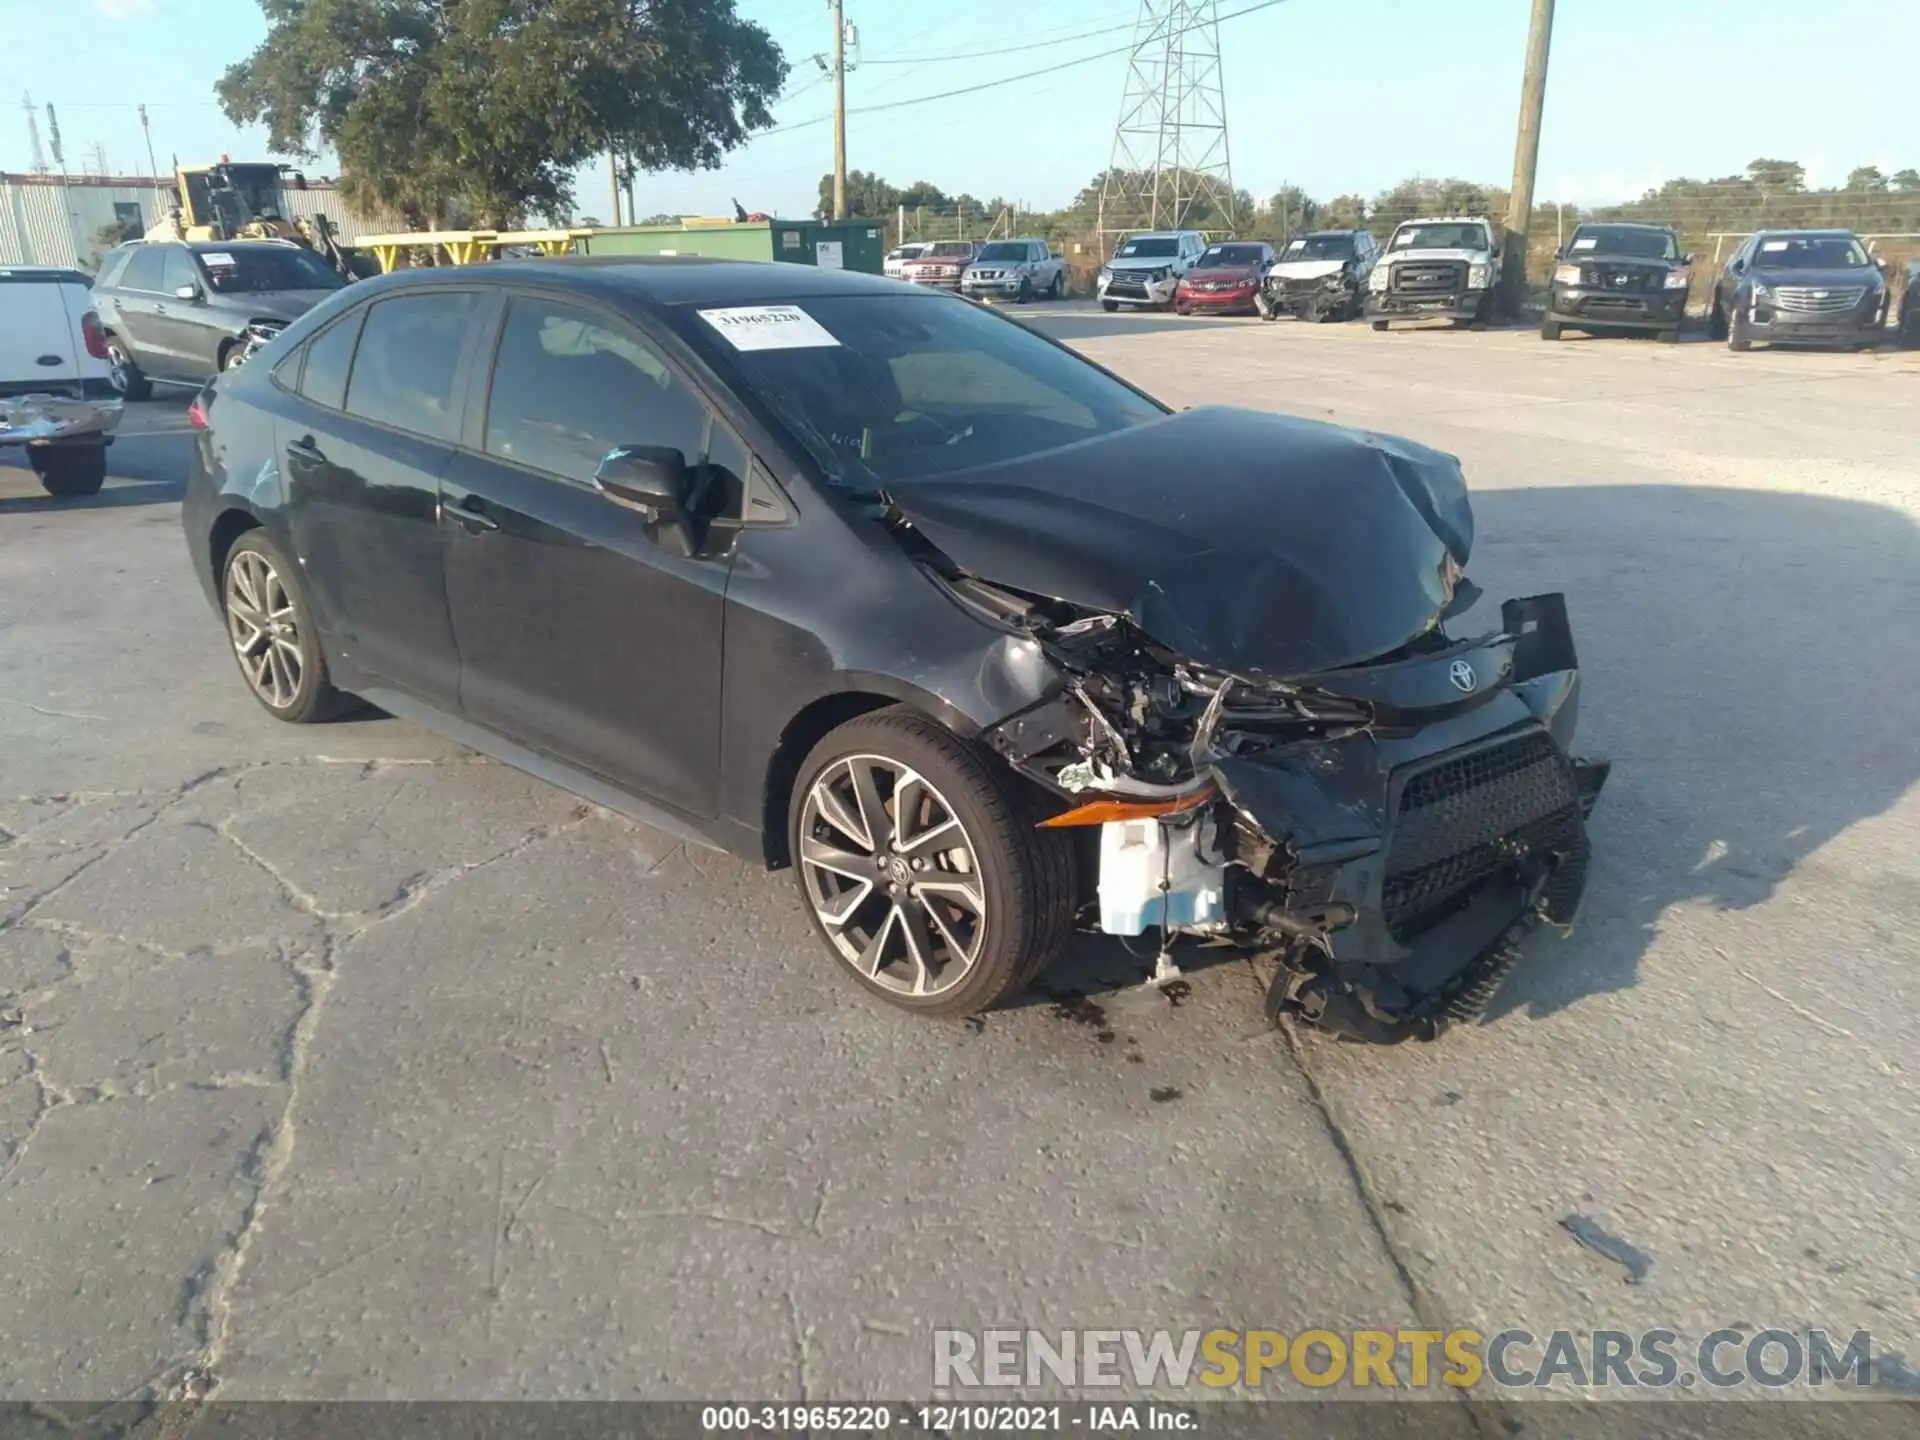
<point x="838" y="245"/>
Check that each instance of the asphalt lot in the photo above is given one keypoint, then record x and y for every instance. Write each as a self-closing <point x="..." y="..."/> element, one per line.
<point x="336" y="1062"/>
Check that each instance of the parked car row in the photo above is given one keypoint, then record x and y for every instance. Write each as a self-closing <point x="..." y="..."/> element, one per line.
<point x="1782" y="287"/>
<point x="1020" y="269"/>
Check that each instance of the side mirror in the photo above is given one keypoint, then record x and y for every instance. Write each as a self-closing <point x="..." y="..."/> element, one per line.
<point x="1560" y="254"/>
<point x="648" y="478"/>
<point x="186" y="292"/>
<point x="1688" y="258"/>
<point x="1738" y="267"/>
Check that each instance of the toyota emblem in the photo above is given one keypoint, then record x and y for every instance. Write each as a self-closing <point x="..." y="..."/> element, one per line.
<point x="1462" y="676"/>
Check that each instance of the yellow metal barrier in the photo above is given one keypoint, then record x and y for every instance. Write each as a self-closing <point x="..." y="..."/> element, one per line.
<point x="468" y="247"/>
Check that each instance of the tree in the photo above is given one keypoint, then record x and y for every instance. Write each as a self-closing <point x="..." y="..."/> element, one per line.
<point x="1907" y="182"/>
<point x="487" y="107"/>
<point x="868" y="196"/>
<point x="1868" y="178"/>
<point x="923" y="194"/>
<point x="1778" y="177"/>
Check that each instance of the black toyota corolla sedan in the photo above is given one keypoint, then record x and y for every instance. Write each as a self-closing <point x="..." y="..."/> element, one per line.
<point x="982" y="641"/>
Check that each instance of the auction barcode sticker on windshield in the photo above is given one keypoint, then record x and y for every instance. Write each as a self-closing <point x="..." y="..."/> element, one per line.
<point x="769" y="327"/>
<point x="216" y="257"/>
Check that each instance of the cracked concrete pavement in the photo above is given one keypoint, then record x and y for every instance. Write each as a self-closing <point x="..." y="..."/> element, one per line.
<point x="337" y="1062"/>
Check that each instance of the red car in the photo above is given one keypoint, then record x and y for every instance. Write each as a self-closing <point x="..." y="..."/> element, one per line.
<point x="1224" y="279"/>
<point x="941" y="264"/>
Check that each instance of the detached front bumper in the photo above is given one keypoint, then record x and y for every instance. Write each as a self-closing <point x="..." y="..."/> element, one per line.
<point x="1419" y="305"/>
<point x="1582" y="305"/>
<point x="39" y="419"/>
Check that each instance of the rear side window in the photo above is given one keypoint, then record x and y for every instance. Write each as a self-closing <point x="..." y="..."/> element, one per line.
<point x="323" y="380"/>
<point x="143" y="270"/>
<point x="568" y="387"/>
<point x="409" y="356"/>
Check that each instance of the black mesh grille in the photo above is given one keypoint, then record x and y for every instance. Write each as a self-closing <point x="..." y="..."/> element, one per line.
<point x="1633" y="279"/>
<point x="1472" y="816"/>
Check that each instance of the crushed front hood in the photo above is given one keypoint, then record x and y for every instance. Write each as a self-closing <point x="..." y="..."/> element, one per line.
<point x="1305" y="269"/>
<point x="1255" y="543"/>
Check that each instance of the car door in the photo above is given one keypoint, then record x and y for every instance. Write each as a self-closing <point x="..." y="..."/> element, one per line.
<point x="380" y="397"/>
<point x="581" y="632"/>
<point x="132" y="315"/>
<point x="180" y="320"/>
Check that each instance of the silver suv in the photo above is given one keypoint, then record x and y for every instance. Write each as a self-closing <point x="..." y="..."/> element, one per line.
<point x="1146" y="268"/>
<point x="1015" y="269"/>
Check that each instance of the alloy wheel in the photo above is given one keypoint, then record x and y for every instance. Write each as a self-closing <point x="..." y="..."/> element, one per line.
<point x="265" y="629"/>
<point x="892" y="875"/>
<point x="117" y="369"/>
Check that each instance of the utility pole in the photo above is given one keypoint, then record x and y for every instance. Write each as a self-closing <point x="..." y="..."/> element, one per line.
<point x="1526" y="161"/>
<point x="613" y="179"/>
<point x="33" y="135"/>
<point x="153" y="166"/>
<point x="839" y="109"/>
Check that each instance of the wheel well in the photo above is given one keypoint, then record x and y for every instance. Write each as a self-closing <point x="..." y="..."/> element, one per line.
<point x="803" y="732"/>
<point x="226" y="349"/>
<point x="231" y="525"/>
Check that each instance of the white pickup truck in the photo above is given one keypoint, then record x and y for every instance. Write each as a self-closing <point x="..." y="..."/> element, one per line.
<point x="57" y="392"/>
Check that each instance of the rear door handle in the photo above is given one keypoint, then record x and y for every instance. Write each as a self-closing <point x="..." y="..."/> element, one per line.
<point x="471" y="511"/>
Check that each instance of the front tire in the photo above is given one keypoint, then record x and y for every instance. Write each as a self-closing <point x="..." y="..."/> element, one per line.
<point x="920" y="863"/>
<point x="69" y="472"/>
<point x="1549" y="330"/>
<point x="1737" y="337"/>
<point x="1025" y="293"/>
<point x="1109" y="305"/>
<point x="1059" y="285"/>
<point x="1380" y="325"/>
<point x="1716" y="321"/>
<point x="270" y="624"/>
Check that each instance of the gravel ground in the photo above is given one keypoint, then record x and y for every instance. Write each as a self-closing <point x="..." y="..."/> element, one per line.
<point x="338" y="1063"/>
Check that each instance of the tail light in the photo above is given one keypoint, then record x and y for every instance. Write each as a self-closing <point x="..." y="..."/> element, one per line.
<point x="93" y="336"/>
<point x="197" y="412"/>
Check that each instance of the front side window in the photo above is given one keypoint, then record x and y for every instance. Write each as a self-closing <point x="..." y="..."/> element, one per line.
<point x="145" y="269"/>
<point x="179" y="271"/>
<point x="879" y="388"/>
<point x="568" y="387"/>
<point x="403" y="373"/>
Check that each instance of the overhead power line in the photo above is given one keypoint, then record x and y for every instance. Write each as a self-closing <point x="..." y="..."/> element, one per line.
<point x="1009" y="79"/>
<point x="1005" y="50"/>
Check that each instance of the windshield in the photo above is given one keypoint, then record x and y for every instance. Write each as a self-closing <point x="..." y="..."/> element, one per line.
<point x="905" y="252"/>
<point x="1320" y="247"/>
<point x="1810" y="252"/>
<point x="1230" y="257"/>
<point x="884" y="387"/>
<point x="948" y="250"/>
<point x="278" y="267"/>
<point x="1463" y="235"/>
<point x="1151" y="245"/>
<point x="1623" y="240"/>
<point x="1003" y="250"/>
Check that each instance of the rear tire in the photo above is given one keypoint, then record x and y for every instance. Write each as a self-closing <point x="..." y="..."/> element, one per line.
<point x="69" y="472"/>
<point x="125" y="374"/>
<point x="1549" y="330"/>
<point x="1670" y="335"/>
<point x="999" y="903"/>
<point x="1059" y="285"/>
<point x="271" y="627"/>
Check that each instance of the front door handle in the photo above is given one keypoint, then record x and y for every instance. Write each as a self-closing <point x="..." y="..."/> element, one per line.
<point x="471" y="511"/>
<point x="305" y="449"/>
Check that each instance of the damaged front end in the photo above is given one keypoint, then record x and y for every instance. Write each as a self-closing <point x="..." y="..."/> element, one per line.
<point x="1261" y="714"/>
<point x="1388" y="831"/>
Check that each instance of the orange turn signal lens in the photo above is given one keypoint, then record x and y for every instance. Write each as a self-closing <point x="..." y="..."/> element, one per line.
<point x="1102" y="812"/>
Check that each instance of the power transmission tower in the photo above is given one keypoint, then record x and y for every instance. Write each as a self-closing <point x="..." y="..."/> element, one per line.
<point x="1170" y="160"/>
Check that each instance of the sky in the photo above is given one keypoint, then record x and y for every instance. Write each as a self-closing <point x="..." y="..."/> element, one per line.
<point x="1334" y="96"/>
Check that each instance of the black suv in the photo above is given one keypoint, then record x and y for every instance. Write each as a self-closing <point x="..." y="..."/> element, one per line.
<point x="181" y="312"/>
<point x="1615" y="277"/>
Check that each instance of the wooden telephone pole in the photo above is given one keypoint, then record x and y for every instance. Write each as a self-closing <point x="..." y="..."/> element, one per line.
<point x="839" y="109"/>
<point x="1526" y="161"/>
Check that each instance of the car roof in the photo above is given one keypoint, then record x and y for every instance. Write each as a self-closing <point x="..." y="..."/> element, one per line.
<point x="1626" y="225"/>
<point x="656" y="281"/>
<point x="1327" y="234"/>
<point x="1158" y="234"/>
<point x="1813" y="234"/>
<point x="43" y="275"/>
<point x="1447" y="220"/>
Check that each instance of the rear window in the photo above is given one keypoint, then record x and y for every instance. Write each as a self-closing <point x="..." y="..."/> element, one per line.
<point x="403" y="372"/>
